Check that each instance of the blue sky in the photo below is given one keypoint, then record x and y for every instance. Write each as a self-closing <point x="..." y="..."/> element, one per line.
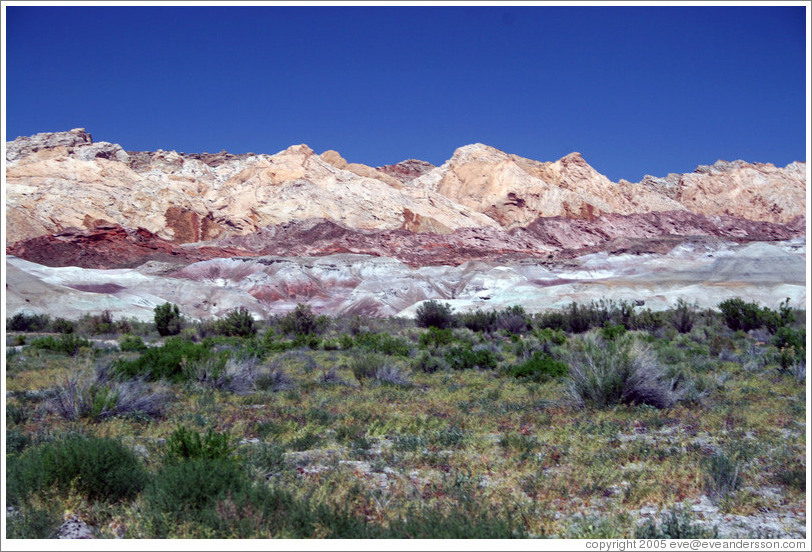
<point x="636" y="90"/>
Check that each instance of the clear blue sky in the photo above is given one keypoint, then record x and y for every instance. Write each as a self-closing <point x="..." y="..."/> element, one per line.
<point x="636" y="90"/>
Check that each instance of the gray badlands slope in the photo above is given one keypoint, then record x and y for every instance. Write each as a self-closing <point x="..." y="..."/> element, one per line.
<point x="91" y="227"/>
<point x="360" y="284"/>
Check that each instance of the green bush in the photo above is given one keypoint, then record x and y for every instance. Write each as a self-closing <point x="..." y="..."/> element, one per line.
<point x="479" y="321"/>
<point x="540" y="367"/>
<point x="68" y="344"/>
<point x="98" y="468"/>
<point x="22" y="322"/>
<point x="132" y="343"/>
<point x="382" y="343"/>
<point x="466" y="357"/>
<point x="435" y="337"/>
<point x="184" y="444"/>
<point x="364" y="366"/>
<point x="739" y="315"/>
<point x="167" y="319"/>
<point x="238" y="322"/>
<point x="169" y="361"/>
<point x="611" y="332"/>
<point x="428" y="363"/>
<point x="436" y="314"/>
<point x="60" y="325"/>
<point x="302" y="321"/>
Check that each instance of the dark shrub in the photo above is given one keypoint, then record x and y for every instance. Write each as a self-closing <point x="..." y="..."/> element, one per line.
<point x="238" y="322"/>
<point x="436" y="314"/>
<point x="513" y="320"/>
<point x="682" y="316"/>
<point x="66" y="343"/>
<point x="540" y="367"/>
<point x="739" y="315"/>
<point x="579" y="318"/>
<point x="60" y="325"/>
<point x="22" y="322"/>
<point x="302" y="321"/>
<point x="479" y="321"/>
<point x="99" y="468"/>
<point x="95" y="324"/>
<point x="167" y="319"/>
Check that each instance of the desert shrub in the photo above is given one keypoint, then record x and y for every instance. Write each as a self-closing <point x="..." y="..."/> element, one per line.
<point x="648" y="320"/>
<point x="539" y="367"/>
<point x="611" y="332"/>
<point x="382" y="343"/>
<point x="132" y="343"/>
<point x="722" y="473"/>
<point x="579" y="318"/>
<point x="167" y="319"/>
<point x="436" y="314"/>
<point x="238" y="322"/>
<point x="479" y="321"/>
<point x="551" y="336"/>
<point x="604" y="373"/>
<point x="16" y="441"/>
<point x="22" y="322"/>
<point x="364" y="366"/>
<point x="392" y="375"/>
<point x="96" y="324"/>
<point x="435" y="337"/>
<point x="513" y="320"/>
<point x="273" y="378"/>
<point x="85" y="396"/>
<point x="170" y="361"/>
<point x="98" y="468"/>
<point x="791" y="345"/>
<point x="68" y="344"/>
<point x="466" y="357"/>
<point x="675" y="524"/>
<point x="184" y="444"/>
<point x="302" y="321"/>
<point x="739" y="315"/>
<point x="428" y="363"/>
<point x="266" y="458"/>
<point x="682" y="316"/>
<point x="31" y="522"/>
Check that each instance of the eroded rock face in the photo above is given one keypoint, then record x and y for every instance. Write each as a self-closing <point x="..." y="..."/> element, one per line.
<point x="64" y="180"/>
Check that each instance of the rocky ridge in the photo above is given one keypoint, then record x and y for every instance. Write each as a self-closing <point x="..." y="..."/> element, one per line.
<point x="57" y="181"/>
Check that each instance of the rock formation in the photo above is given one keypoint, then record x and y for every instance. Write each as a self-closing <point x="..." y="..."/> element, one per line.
<point x="57" y="181"/>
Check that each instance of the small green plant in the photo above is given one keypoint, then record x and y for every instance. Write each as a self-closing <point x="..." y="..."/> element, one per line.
<point x="739" y="315"/>
<point x="539" y="367"/>
<point x="167" y="319"/>
<point x="466" y="357"/>
<point x="184" y="444"/>
<point x="132" y="343"/>
<point x="364" y="366"/>
<point x="610" y="332"/>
